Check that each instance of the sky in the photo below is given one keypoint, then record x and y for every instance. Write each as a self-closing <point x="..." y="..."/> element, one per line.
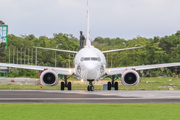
<point x="108" y="18"/>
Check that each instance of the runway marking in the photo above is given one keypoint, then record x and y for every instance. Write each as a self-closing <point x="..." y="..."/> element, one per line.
<point x="86" y="98"/>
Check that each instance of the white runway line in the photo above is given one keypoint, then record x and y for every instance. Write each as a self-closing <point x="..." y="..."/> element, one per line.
<point x="24" y="99"/>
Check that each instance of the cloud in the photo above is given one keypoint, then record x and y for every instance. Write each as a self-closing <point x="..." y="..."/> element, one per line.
<point x="108" y="18"/>
<point x="68" y="3"/>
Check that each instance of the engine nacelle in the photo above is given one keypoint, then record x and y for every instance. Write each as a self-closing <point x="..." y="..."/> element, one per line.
<point x="49" y="78"/>
<point x="130" y="78"/>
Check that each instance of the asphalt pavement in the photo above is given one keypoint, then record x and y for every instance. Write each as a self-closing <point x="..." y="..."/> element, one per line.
<point x="55" y="96"/>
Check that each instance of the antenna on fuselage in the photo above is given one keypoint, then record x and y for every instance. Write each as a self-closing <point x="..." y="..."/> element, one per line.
<point x="88" y="40"/>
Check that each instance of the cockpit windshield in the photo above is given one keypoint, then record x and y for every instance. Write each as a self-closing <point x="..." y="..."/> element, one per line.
<point x="94" y="59"/>
<point x="91" y="59"/>
<point x="86" y="59"/>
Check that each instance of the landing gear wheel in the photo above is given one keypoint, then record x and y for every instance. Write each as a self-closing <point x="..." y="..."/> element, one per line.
<point x="92" y="88"/>
<point x="116" y="86"/>
<point x="88" y="88"/>
<point x="62" y="85"/>
<point x="109" y="86"/>
<point x="69" y="85"/>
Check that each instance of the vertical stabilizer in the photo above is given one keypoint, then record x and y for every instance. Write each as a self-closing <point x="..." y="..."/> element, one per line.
<point x="88" y="40"/>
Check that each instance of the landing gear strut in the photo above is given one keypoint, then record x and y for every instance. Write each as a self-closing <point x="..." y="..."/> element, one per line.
<point x="65" y="84"/>
<point x="90" y="87"/>
<point x="112" y="84"/>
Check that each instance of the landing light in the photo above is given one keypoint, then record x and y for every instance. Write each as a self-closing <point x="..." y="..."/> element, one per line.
<point x="70" y="71"/>
<point x="109" y="70"/>
<point x="82" y="80"/>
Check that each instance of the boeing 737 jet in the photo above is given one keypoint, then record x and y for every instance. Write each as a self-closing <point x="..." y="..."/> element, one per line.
<point x="89" y="65"/>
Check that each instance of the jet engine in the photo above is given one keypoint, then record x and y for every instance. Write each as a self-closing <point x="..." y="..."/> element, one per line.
<point x="130" y="78"/>
<point x="49" y="78"/>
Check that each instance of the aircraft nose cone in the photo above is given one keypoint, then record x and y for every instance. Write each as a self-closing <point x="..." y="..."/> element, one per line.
<point x="91" y="70"/>
<point x="90" y="66"/>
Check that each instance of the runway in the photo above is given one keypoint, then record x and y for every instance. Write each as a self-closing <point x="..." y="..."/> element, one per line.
<point x="46" y="96"/>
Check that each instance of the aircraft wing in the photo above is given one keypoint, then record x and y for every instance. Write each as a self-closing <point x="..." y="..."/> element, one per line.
<point x="121" y="49"/>
<point x="116" y="71"/>
<point x="67" y="51"/>
<point x="62" y="71"/>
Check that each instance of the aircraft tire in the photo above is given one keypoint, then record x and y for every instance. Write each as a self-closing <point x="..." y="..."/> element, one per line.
<point x="109" y="86"/>
<point x="116" y="86"/>
<point x="62" y="85"/>
<point x="92" y="88"/>
<point x="69" y="85"/>
<point x="88" y="88"/>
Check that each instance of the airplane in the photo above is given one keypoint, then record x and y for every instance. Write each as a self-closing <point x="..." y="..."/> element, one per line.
<point x="90" y="65"/>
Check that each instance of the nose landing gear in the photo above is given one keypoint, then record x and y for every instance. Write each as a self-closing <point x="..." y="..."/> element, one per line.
<point x="90" y="87"/>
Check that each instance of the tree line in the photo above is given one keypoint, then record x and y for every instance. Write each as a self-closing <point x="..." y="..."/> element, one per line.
<point x="155" y="50"/>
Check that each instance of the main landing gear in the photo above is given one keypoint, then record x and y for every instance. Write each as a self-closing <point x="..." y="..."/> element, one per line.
<point x="65" y="84"/>
<point x="112" y="84"/>
<point x="90" y="87"/>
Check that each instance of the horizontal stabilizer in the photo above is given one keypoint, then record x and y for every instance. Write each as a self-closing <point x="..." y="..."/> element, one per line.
<point x="67" y="51"/>
<point x="121" y="49"/>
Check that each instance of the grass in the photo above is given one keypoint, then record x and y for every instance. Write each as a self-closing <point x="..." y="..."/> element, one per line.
<point x="73" y="79"/>
<point x="157" y="83"/>
<point x="37" y="87"/>
<point x="154" y="83"/>
<point x="74" y="111"/>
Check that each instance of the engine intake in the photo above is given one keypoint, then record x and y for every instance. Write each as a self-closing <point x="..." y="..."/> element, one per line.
<point x="130" y="78"/>
<point x="49" y="78"/>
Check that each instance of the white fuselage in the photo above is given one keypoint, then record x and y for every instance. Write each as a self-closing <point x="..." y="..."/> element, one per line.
<point x="90" y="64"/>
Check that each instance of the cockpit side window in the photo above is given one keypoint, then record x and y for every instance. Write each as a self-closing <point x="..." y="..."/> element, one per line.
<point x="81" y="59"/>
<point x="99" y="59"/>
